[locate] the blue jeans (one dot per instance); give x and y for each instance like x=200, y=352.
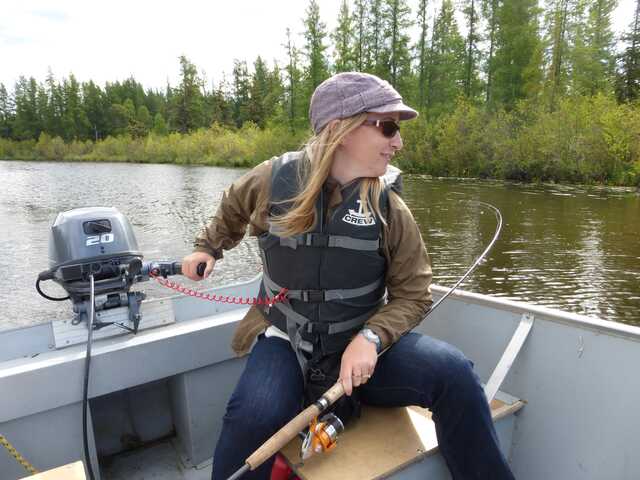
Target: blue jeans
x=416, y=370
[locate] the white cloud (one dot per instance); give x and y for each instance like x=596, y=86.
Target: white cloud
x=108, y=41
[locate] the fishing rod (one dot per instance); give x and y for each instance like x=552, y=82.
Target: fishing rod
x=304, y=418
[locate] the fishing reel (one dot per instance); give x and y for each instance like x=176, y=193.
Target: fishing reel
x=322, y=435
x=99, y=242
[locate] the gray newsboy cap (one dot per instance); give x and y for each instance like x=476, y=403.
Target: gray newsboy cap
x=346, y=94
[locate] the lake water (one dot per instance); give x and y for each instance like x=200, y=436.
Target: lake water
x=572, y=248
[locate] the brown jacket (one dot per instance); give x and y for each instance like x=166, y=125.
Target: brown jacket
x=408, y=276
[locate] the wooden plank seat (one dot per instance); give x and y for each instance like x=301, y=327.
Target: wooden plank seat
x=381, y=442
x=72, y=471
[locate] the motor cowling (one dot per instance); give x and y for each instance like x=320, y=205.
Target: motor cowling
x=99, y=243
x=96, y=241
x=91, y=234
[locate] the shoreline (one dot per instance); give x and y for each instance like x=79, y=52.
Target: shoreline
x=242, y=165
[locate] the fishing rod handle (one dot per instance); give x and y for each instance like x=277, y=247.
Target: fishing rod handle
x=282, y=437
x=334, y=393
x=291, y=429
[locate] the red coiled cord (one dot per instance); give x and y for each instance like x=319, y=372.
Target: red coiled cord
x=280, y=297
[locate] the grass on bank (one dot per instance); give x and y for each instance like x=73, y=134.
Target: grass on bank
x=589, y=140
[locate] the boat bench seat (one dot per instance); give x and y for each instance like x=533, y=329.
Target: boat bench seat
x=72, y=471
x=381, y=442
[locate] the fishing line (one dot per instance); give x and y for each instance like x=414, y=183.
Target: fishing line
x=479, y=259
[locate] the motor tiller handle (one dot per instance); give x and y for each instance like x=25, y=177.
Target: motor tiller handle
x=291, y=429
x=199, y=269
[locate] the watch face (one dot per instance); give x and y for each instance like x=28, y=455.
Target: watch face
x=369, y=335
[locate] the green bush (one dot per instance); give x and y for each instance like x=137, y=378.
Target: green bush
x=585, y=140
x=417, y=155
x=50, y=148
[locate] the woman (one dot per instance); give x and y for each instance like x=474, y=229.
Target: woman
x=335, y=233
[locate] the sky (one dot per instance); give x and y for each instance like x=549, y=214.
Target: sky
x=109, y=41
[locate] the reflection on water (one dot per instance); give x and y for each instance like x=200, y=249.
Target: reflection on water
x=570, y=248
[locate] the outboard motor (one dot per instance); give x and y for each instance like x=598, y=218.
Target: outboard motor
x=94, y=256
x=99, y=241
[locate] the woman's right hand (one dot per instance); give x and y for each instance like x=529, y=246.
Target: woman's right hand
x=190, y=265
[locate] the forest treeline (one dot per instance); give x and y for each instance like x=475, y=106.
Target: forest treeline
x=525, y=90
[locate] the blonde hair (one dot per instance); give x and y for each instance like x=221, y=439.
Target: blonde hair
x=313, y=171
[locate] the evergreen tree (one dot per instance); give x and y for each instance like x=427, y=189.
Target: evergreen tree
x=159, y=125
x=130, y=89
x=187, y=101
x=121, y=116
x=315, y=33
x=293, y=90
x=516, y=63
x=74, y=120
x=258, y=92
x=216, y=106
x=595, y=70
x=6, y=112
x=241, y=85
x=446, y=61
x=142, y=124
x=155, y=102
x=431, y=63
x=27, y=124
x=112, y=93
x=52, y=114
x=42, y=101
x=471, y=79
x=360, y=48
x=343, y=39
x=395, y=53
x=628, y=79
x=556, y=50
x=490, y=10
x=421, y=55
x=375, y=39
x=275, y=100
x=95, y=108
x=223, y=103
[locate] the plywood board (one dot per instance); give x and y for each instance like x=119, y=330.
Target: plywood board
x=155, y=313
x=72, y=471
x=381, y=442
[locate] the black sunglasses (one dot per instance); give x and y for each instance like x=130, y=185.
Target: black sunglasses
x=388, y=127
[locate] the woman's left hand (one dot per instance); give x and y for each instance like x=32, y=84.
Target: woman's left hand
x=358, y=362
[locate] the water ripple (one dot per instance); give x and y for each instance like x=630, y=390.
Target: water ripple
x=572, y=248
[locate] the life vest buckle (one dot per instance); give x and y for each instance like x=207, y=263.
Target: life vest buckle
x=317, y=327
x=317, y=240
x=312, y=296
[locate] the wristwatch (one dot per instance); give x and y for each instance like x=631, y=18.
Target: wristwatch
x=372, y=337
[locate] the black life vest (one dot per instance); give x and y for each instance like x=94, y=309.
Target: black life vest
x=335, y=273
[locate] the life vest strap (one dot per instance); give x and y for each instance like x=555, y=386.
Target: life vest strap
x=323, y=240
x=319, y=296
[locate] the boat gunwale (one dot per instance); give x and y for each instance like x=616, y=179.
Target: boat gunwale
x=629, y=332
